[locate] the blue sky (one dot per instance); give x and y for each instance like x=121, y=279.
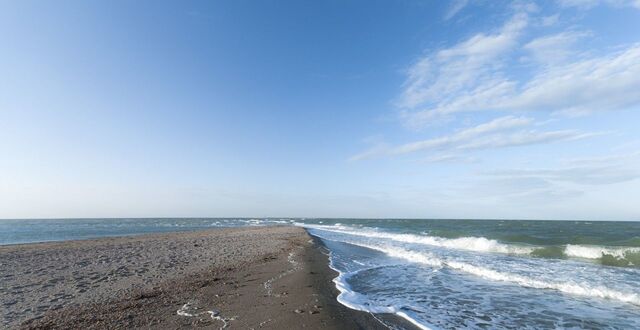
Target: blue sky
x=419, y=109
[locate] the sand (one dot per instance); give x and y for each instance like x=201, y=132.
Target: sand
x=242, y=278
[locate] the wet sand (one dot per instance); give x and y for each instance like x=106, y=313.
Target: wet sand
x=241, y=278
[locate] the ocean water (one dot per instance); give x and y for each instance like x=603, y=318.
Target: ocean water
x=18, y=231
x=444, y=274
x=486, y=274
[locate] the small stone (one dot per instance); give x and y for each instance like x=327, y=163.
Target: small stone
x=314, y=312
x=299, y=311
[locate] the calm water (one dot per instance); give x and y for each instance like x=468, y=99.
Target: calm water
x=29, y=231
x=445, y=273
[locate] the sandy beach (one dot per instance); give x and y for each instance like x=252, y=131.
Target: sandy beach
x=248, y=278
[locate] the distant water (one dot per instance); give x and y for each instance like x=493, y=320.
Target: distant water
x=445, y=274
x=47, y=230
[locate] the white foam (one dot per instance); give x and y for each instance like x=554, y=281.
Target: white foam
x=596, y=252
x=191, y=311
x=582, y=289
x=476, y=244
x=357, y=301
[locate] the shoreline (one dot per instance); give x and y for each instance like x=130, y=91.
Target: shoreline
x=257, y=277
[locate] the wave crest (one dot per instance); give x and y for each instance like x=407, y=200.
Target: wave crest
x=477, y=244
x=581, y=289
x=610, y=256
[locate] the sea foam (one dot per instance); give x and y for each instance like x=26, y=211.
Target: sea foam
x=596, y=252
x=583, y=289
x=354, y=300
x=476, y=244
x=615, y=256
x=569, y=287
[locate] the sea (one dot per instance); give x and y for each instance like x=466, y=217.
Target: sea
x=443, y=274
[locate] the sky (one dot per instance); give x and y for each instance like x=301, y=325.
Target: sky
x=371, y=109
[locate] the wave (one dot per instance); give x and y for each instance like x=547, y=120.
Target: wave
x=477, y=244
x=354, y=300
x=610, y=256
x=581, y=289
x=596, y=252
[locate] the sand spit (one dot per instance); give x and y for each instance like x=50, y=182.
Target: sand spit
x=241, y=278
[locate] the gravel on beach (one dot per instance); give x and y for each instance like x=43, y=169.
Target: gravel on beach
x=237, y=278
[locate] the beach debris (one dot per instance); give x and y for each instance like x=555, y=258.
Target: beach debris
x=263, y=323
x=189, y=310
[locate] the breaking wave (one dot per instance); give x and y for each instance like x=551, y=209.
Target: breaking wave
x=610, y=256
x=570, y=287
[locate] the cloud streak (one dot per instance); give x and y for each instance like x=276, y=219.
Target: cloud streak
x=582, y=175
x=455, y=8
x=472, y=76
x=588, y=4
x=503, y=132
x=551, y=185
x=451, y=70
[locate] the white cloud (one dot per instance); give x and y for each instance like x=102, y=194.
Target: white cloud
x=608, y=160
x=585, y=4
x=449, y=158
x=550, y=20
x=608, y=82
x=502, y=132
x=588, y=4
x=555, y=48
x=581, y=175
x=455, y=8
x=462, y=66
x=551, y=185
x=477, y=82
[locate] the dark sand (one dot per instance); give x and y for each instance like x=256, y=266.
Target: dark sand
x=247, y=278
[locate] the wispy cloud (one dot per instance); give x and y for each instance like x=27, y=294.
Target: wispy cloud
x=455, y=8
x=449, y=158
x=582, y=175
x=470, y=77
x=555, y=48
x=524, y=191
x=450, y=71
x=502, y=132
x=549, y=20
x=588, y=4
x=608, y=82
x=551, y=185
x=608, y=160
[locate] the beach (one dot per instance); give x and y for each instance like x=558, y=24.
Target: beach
x=239, y=278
